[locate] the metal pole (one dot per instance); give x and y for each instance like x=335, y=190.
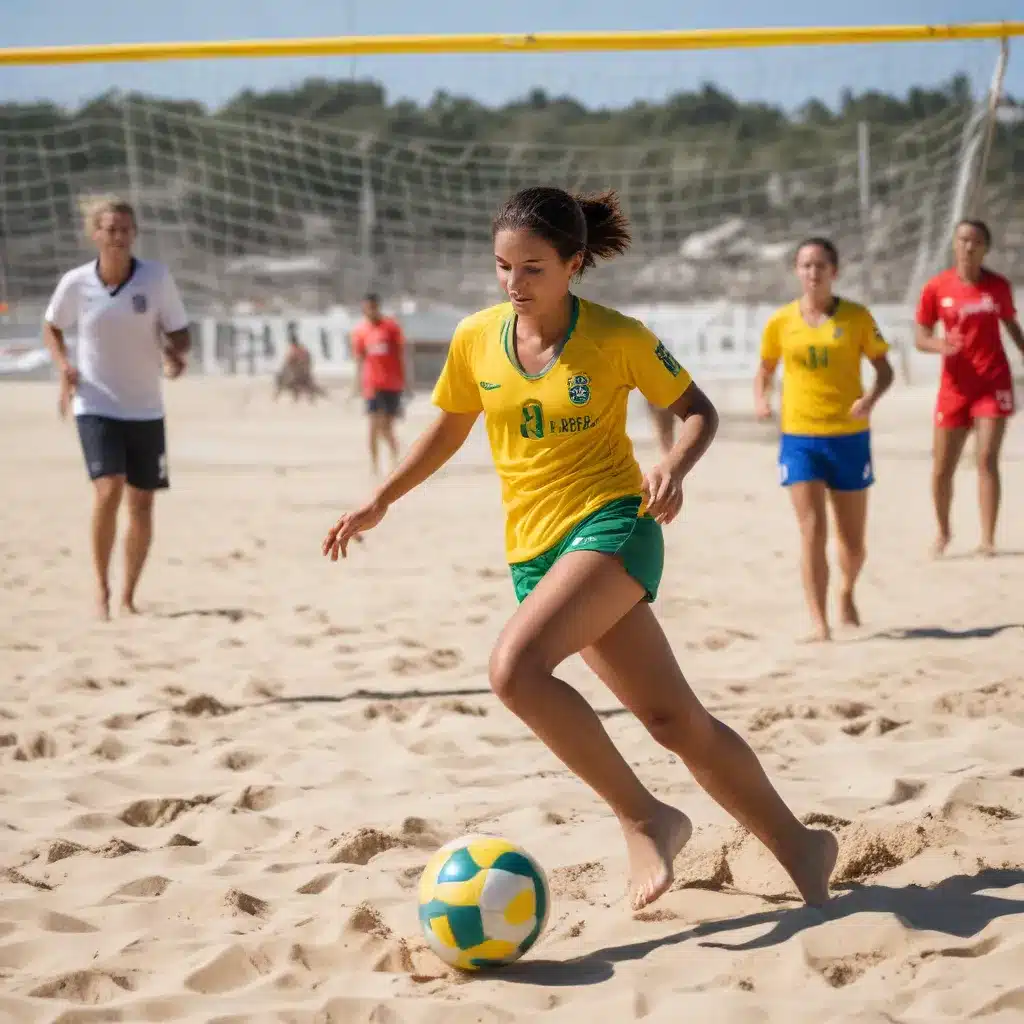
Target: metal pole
x=994, y=98
x=5, y=293
x=129, y=155
x=864, y=178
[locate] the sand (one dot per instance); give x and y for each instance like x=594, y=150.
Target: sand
x=218, y=811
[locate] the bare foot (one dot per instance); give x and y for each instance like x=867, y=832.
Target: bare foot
x=652, y=847
x=940, y=544
x=103, y=604
x=128, y=606
x=819, y=635
x=986, y=549
x=813, y=869
x=848, y=614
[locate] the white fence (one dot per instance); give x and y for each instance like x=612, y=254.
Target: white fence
x=715, y=341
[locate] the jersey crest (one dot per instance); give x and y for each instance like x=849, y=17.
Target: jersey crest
x=667, y=359
x=139, y=303
x=579, y=389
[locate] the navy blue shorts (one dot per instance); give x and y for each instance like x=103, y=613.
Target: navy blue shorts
x=387, y=402
x=842, y=463
x=134, y=449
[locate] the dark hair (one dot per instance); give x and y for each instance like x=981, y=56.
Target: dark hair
x=979, y=225
x=592, y=224
x=372, y=297
x=822, y=243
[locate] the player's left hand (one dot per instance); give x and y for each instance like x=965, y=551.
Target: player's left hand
x=174, y=365
x=663, y=493
x=861, y=409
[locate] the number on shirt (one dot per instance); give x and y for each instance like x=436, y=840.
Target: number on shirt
x=817, y=357
x=533, y=420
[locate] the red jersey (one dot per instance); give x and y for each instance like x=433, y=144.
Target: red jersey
x=970, y=313
x=380, y=346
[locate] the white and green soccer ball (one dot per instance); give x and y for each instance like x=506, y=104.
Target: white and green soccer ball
x=483, y=902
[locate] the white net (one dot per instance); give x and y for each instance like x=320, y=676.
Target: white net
x=303, y=212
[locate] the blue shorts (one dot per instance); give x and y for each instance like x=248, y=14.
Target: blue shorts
x=842, y=463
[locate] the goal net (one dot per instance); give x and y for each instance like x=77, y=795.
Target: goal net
x=306, y=198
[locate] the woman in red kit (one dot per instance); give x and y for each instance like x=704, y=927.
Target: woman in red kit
x=379, y=348
x=976, y=386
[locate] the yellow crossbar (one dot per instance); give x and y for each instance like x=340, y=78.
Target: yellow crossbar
x=539, y=42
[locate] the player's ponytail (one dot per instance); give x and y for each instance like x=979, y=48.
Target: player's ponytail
x=592, y=224
x=607, y=227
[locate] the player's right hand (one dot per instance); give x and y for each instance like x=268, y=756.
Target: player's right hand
x=762, y=409
x=349, y=526
x=68, y=386
x=950, y=344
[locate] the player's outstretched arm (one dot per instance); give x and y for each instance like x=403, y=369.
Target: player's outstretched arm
x=431, y=450
x=54, y=338
x=884, y=376
x=1013, y=329
x=764, y=381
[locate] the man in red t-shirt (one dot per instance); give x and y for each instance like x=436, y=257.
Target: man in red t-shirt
x=379, y=347
x=976, y=386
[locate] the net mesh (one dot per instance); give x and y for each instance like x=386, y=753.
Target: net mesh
x=262, y=208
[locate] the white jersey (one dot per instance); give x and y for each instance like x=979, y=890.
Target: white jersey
x=119, y=352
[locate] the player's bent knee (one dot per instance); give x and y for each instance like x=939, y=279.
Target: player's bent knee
x=510, y=669
x=108, y=490
x=855, y=552
x=814, y=531
x=140, y=503
x=685, y=727
x=988, y=462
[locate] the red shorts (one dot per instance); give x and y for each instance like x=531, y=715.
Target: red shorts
x=954, y=409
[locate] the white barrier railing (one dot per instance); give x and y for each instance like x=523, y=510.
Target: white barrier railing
x=715, y=341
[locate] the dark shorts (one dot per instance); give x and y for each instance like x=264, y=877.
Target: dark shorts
x=614, y=529
x=842, y=462
x=387, y=402
x=134, y=449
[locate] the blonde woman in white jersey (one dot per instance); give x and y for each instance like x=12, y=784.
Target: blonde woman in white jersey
x=131, y=329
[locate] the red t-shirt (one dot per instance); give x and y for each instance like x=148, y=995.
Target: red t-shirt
x=970, y=312
x=380, y=345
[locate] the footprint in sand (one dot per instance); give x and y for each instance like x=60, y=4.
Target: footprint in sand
x=232, y=968
x=258, y=798
x=40, y=745
x=362, y=846
x=440, y=659
x=149, y=887
x=87, y=987
x=240, y=760
x=160, y=810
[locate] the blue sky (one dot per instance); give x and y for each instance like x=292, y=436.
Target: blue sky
x=786, y=76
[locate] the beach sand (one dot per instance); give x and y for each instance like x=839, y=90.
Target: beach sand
x=218, y=810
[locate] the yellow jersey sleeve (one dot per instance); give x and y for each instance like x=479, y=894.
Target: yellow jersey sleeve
x=873, y=343
x=649, y=367
x=771, y=344
x=456, y=389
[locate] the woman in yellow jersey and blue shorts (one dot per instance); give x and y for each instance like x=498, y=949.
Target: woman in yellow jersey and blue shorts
x=551, y=374
x=826, y=439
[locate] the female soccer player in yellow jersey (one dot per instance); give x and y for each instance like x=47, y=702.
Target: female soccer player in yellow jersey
x=551, y=374
x=826, y=440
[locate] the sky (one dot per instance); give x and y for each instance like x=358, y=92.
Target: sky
x=786, y=76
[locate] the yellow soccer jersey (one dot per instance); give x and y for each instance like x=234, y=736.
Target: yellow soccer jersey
x=559, y=438
x=821, y=366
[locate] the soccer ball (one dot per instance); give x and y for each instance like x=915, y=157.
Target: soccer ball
x=483, y=902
